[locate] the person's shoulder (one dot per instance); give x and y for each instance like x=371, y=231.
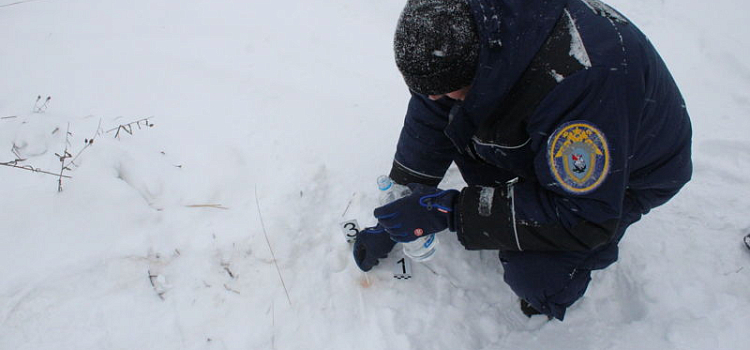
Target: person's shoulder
x=607, y=38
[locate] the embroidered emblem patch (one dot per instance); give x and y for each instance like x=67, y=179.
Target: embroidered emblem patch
x=578, y=156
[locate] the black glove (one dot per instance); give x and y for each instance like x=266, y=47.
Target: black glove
x=371, y=244
x=425, y=211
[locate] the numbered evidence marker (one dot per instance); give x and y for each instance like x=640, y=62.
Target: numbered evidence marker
x=350, y=229
x=402, y=269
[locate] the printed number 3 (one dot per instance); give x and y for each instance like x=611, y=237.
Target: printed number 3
x=351, y=227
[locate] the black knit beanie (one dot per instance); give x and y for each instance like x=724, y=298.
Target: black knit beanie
x=436, y=46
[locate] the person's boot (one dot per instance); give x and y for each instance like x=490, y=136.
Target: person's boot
x=529, y=310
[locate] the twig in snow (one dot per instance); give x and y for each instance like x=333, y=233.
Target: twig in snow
x=349, y=204
x=17, y=3
x=36, y=103
x=43, y=107
x=14, y=149
x=9, y=117
x=230, y=289
x=733, y=272
x=88, y=143
x=63, y=157
x=128, y=128
x=257, y=204
x=151, y=278
x=73, y=161
x=13, y=164
x=215, y=206
x=226, y=268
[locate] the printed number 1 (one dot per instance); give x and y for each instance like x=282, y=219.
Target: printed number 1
x=403, y=265
x=402, y=272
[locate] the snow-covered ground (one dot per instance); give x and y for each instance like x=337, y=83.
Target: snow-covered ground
x=281, y=115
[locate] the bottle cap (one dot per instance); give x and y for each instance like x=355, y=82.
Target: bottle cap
x=384, y=182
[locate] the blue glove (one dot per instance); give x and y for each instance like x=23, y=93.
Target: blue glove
x=426, y=211
x=371, y=244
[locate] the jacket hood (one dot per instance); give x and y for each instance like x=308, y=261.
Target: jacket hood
x=511, y=32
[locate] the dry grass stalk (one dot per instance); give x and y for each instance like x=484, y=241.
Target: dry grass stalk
x=128, y=128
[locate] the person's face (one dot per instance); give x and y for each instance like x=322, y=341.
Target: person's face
x=459, y=95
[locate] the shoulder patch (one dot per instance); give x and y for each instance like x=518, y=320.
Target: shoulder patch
x=578, y=156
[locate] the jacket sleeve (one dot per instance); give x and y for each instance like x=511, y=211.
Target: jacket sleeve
x=552, y=210
x=423, y=153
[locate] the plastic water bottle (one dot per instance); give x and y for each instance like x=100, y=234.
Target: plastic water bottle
x=421, y=249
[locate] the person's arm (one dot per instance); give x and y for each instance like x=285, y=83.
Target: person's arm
x=423, y=153
x=574, y=202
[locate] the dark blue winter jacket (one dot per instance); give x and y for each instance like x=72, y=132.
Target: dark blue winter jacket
x=573, y=128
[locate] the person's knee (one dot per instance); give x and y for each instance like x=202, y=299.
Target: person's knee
x=550, y=285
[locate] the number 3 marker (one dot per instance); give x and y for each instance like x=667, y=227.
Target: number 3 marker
x=350, y=229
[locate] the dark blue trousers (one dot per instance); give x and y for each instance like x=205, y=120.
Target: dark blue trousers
x=553, y=281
